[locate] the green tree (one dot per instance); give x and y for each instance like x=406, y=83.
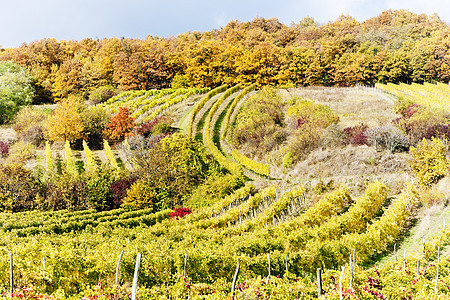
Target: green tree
x=16, y=89
x=172, y=167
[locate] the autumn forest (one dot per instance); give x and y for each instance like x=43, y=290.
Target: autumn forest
x=396, y=46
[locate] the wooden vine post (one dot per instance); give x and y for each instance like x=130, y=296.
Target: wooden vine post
x=135, y=278
x=319, y=282
x=437, y=269
x=340, y=283
x=351, y=270
x=286, y=263
x=395, y=251
x=236, y=274
x=118, y=267
x=185, y=265
x=11, y=277
x=418, y=267
x=404, y=259
x=268, y=269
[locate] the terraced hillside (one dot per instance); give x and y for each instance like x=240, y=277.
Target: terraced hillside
x=340, y=207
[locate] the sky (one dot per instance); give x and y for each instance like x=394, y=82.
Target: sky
x=24, y=21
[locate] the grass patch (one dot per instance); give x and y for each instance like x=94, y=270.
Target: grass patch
x=200, y=125
x=58, y=163
x=218, y=126
x=120, y=163
x=79, y=163
x=184, y=121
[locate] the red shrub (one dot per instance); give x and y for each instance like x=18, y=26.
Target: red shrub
x=357, y=135
x=180, y=212
x=411, y=110
x=4, y=149
x=437, y=131
x=120, y=126
x=146, y=129
x=301, y=121
x=119, y=190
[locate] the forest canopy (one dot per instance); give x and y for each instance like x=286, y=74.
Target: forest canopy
x=396, y=46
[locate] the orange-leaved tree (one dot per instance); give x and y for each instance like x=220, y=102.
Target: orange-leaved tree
x=66, y=124
x=120, y=126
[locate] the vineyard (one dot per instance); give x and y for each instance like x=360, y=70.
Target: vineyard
x=255, y=161
x=81, y=249
x=265, y=239
x=428, y=94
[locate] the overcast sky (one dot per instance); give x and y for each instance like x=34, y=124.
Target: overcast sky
x=29, y=20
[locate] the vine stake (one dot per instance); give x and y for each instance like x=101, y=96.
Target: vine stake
x=135, y=278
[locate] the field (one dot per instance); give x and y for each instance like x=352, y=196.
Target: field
x=336, y=203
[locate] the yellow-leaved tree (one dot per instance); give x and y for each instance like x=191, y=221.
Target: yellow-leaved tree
x=428, y=161
x=66, y=124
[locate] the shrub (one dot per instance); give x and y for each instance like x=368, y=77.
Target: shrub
x=334, y=136
x=64, y=192
x=119, y=190
x=20, y=152
x=428, y=161
x=288, y=160
x=101, y=94
x=260, y=123
x=357, y=135
x=95, y=119
x=34, y=135
x=149, y=128
x=301, y=143
x=180, y=212
x=410, y=110
x=418, y=125
x=4, y=149
x=401, y=105
x=174, y=166
x=18, y=188
x=98, y=190
x=140, y=195
x=214, y=188
x=304, y=112
x=30, y=125
x=162, y=128
x=390, y=138
x=120, y=126
x=322, y=187
x=438, y=131
x=29, y=117
x=180, y=81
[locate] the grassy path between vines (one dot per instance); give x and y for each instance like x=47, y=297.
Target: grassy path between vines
x=429, y=223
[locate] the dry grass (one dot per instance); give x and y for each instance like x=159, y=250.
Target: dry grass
x=7, y=133
x=352, y=166
x=353, y=105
